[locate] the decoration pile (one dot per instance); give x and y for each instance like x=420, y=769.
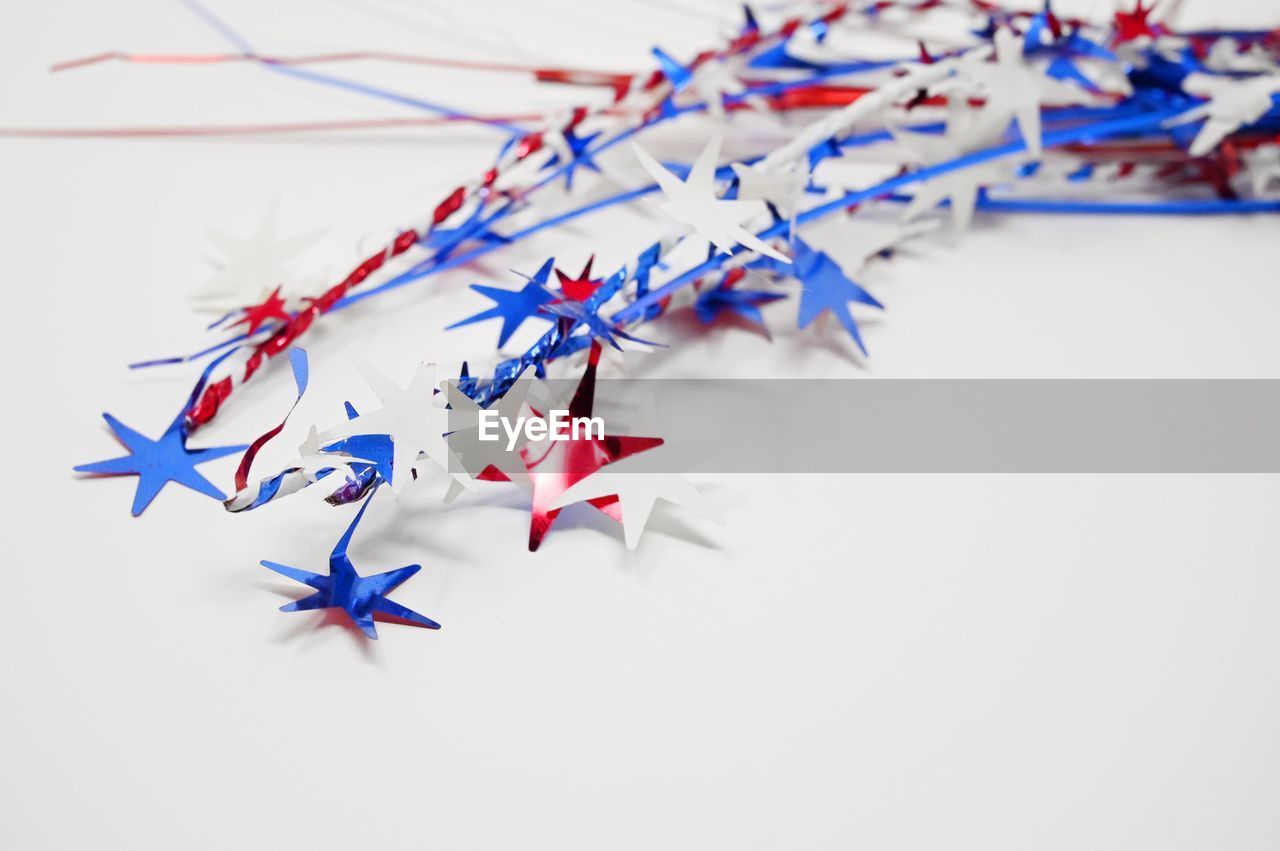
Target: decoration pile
x=1014, y=112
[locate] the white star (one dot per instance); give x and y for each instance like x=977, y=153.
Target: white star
x=1263, y=165
x=475, y=454
x=411, y=419
x=959, y=187
x=1232, y=104
x=637, y=491
x=693, y=202
x=253, y=266
x=714, y=80
x=1225, y=55
x=1014, y=90
x=780, y=188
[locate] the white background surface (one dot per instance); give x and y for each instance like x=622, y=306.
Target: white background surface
x=887, y=662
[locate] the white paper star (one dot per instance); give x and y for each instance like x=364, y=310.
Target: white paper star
x=1014, y=90
x=959, y=187
x=1232, y=104
x=476, y=454
x=781, y=188
x=637, y=492
x=411, y=419
x=693, y=202
x=253, y=266
x=714, y=80
x=1263, y=164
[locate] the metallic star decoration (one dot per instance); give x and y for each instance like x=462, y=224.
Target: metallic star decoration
x=571, y=152
x=158, y=462
x=255, y=316
x=410, y=418
x=694, y=202
x=1015, y=89
x=959, y=188
x=480, y=456
x=637, y=492
x=582, y=287
x=1263, y=168
x=555, y=466
x=361, y=597
x=725, y=298
x=782, y=189
x=252, y=265
x=825, y=287
x=514, y=307
x=1232, y=104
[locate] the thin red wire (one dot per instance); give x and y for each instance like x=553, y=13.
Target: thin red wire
x=576, y=75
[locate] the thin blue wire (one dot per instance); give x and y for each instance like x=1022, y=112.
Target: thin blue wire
x=223, y=29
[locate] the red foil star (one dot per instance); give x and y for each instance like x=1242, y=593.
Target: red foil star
x=1135, y=24
x=259, y=314
x=582, y=287
x=555, y=466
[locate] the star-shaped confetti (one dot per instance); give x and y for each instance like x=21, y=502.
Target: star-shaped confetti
x=637, y=491
x=694, y=202
x=782, y=189
x=1232, y=105
x=726, y=298
x=1130, y=26
x=481, y=456
x=961, y=187
x=514, y=307
x=571, y=151
x=1263, y=165
x=475, y=228
x=677, y=74
x=555, y=466
x=361, y=597
x=825, y=287
x=1015, y=89
x=410, y=418
x=582, y=287
x=587, y=315
x=258, y=315
x=158, y=462
x=252, y=265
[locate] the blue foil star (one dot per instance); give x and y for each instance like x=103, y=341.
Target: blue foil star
x=679, y=75
x=158, y=462
x=579, y=156
x=448, y=240
x=588, y=316
x=745, y=303
x=825, y=287
x=359, y=596
x=513, y=307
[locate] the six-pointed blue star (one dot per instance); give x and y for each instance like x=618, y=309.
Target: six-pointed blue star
x=825, y=287
x=359, y=596
x=745, y=303
x=513, y=307
x=679, y=75
x=579, y=156
x=158, y=462
x=587, y=314
x=448, y=240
